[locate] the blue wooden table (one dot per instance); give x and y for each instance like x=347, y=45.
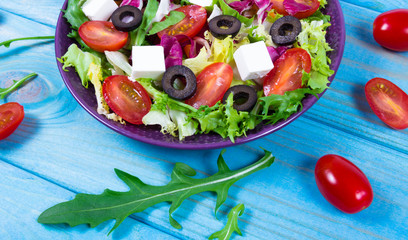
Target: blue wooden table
x=60, y=150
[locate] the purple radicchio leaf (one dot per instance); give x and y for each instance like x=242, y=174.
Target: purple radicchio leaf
x=135, y=3
x=275, y=53
x=172, y=51
x=241, y=6
x=293, y=7
x=264, y=7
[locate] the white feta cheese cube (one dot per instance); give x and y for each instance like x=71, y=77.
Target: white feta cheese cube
x=253, y=61
x=148, y=62
x=202, y=3
x=99, y=10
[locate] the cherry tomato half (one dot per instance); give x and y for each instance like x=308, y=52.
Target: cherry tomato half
x=311, y=5
x=388, y=102
x=343, y=184
x=390, y=29
x=196, y=17
x=212, y=83
x=126, y=98
x=102, y=36
x=288, y=71
x=11, y=115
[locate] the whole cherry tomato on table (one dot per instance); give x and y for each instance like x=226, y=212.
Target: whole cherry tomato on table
x=102, y=36
x=11, y=115
x=343, y=184
x=126, y=98
x=391, y=29
x=388, y=102
x=195, y=19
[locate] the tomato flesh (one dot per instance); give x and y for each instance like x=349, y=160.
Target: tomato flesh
x=102, y=36
x=388, y=102
x=193, y=22
x=343, y=184
x=126, y=98
x=310, y=5
x=212, y=83
x=288, y=71
x=390, y=29
x=11, y=115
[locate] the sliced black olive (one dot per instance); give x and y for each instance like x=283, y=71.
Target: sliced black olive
x=285, y=30
x=179, y=82
x=224, y=25
x=127, y=18
x=244, y=97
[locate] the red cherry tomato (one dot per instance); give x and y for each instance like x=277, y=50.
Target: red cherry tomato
x=102, y=36
x=391, y=29
x=343, y=184
x=288, y=71
x=126, y=98
x=212, y=83
x=313, y=5
x=11, y=115
x=196, y=17
x=388, y=102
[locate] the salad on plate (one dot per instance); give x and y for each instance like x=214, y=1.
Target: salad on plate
x=195, y=67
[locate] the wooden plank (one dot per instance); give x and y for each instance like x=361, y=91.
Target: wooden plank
x=25, y=196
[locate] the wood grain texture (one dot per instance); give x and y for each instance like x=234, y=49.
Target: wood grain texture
x=60, y=150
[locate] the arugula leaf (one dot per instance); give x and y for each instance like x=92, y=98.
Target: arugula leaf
x=137, y=36
x=174, y=18
x=74, y=14
x=232, y=224
x=227, y=10
x=15, y=85
x=95, y=209
x=8, y=42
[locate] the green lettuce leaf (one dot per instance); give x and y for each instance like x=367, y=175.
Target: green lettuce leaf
x=174, y=18
x=232, y=224
x=81, y=60
x=137, y=36
x=312, y=38
x=74, y=14
x=227, y=10
x=95, y=209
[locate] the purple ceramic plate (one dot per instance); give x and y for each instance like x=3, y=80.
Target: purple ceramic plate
x=151, y=134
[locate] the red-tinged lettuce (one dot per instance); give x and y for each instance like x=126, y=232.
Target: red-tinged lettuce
x=275, y=53
x=134, y=3
x=293, y=7
x=241, y=6
x=264, y=7
x=173, y=52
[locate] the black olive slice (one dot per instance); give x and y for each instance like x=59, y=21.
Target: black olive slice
x=126, y=18
x=285, y=30
x=244, y=97
x=179, y=82
x=224, y=25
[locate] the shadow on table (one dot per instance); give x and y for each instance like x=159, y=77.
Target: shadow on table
x=20, y=49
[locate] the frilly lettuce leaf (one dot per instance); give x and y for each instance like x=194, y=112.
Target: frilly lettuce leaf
x=312, y=38
x=199, y=62
x=74, y=14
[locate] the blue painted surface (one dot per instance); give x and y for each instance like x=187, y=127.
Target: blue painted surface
x=60, y=150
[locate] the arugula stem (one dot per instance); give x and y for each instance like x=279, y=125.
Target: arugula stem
x=8, y=42
x=16, y=84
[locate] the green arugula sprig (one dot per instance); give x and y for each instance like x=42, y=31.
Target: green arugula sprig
x=15, y=85
x=95, y=209
x=8, y=42
x=232, y=224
